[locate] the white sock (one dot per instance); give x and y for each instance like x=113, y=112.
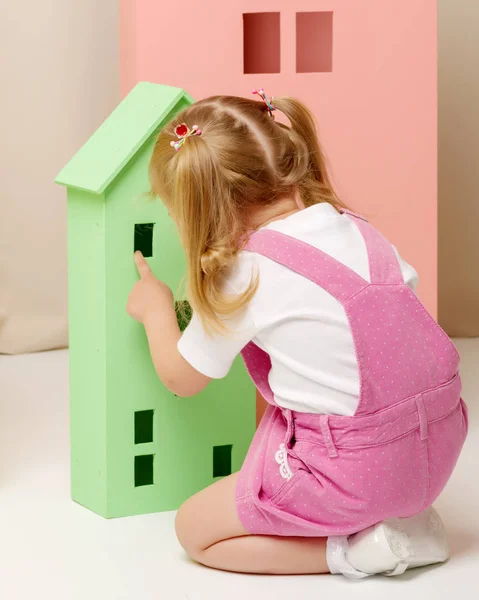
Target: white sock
x=390, y=547
x=336, y=557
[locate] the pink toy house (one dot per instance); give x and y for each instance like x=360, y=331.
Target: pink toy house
x=367, y=69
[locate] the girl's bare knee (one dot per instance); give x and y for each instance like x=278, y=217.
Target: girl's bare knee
x=187, y=531
x=207, y=518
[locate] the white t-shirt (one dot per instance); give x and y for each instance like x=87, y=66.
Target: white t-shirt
x=300, y=325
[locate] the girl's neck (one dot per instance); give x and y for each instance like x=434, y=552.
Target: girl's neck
x=275, y=212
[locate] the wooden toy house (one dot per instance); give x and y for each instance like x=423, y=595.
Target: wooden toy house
x=366, y=68
x=135, y=447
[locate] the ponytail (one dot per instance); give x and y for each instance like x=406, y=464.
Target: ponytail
x=312, y=179
x=209, y=230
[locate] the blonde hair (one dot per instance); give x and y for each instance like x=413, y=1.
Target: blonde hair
x=243, y=160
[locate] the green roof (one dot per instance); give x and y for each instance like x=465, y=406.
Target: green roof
x=116, y=141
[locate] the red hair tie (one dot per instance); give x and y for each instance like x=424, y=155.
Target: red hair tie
x=182, y=132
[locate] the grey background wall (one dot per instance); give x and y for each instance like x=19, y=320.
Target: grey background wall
x=458, y=166
x=59, y=73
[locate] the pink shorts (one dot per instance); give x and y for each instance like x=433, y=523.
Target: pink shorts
x=310, y=475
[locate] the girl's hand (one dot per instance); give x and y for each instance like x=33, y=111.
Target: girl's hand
x=149, y=295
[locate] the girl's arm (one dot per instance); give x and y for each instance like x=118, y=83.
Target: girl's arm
x=151, y=302
x=261, y=406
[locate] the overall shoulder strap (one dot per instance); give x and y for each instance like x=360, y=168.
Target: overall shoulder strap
x=314, y=264
x=383, y=263
x=258, y=365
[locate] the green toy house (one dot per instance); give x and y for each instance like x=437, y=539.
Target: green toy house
x=135, y=447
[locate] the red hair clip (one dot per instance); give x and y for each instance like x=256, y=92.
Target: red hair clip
x=182, y=132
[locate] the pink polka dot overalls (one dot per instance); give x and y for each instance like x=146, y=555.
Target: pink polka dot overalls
x=318, y=475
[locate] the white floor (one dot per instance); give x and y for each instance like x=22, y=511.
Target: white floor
x=54, y=549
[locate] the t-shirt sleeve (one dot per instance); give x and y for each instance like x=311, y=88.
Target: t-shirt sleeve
x=212, y=354
x=410, y=275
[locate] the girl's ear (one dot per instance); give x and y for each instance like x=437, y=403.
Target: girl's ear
x=298, y=200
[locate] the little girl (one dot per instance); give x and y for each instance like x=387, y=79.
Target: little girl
x=365, y=421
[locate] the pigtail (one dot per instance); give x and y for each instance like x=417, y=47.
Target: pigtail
x=311, y=175
x=209, y=229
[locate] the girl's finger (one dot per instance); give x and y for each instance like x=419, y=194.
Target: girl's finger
x=141, y=264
